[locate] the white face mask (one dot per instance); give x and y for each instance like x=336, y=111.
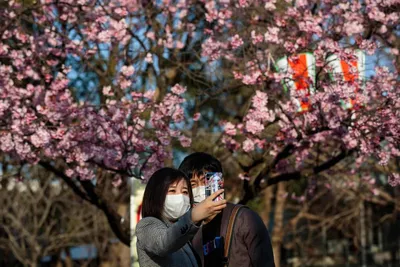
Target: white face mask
x=175, y=206
x=199, y=193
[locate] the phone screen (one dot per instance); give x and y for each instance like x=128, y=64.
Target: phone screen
x=214, y=182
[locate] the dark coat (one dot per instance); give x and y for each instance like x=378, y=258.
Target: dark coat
x=251, y=244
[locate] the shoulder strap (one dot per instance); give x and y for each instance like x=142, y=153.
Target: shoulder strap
x=229, y=230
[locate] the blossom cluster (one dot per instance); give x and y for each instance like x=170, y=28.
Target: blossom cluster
x=358, y=115
x=41, y=116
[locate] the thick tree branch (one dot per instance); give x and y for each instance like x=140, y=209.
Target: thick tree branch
x=66, y=179
x=252, y=191
x=118, y=224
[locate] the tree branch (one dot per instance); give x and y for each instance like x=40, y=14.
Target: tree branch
x=252, y=191
x=66, y=179
x=118, y=224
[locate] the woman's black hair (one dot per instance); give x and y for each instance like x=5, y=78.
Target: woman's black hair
x=198, y=163
x=157, y=189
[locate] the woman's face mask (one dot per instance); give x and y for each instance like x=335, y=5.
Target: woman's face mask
x=175, y=206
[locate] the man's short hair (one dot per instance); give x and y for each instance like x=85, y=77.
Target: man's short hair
x=198, y=163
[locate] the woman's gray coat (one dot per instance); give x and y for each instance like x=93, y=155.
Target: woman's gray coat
x=165, y=244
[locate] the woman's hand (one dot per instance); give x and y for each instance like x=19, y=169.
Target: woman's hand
x=208, y=207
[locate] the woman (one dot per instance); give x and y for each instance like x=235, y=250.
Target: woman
x=169, y=223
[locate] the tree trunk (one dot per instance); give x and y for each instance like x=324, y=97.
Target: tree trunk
x=277, y=233
x=68, y=260
x=363, y=234
x=267, y=205
x=169, y=161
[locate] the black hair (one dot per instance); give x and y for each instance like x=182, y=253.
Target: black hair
x=198, y=163
x=157, y=189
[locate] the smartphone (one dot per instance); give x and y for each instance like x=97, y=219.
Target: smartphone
x=214, y=182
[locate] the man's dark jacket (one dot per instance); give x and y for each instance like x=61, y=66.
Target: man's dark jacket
x=251, y=244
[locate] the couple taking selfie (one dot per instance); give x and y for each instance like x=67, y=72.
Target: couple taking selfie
x=183, y=227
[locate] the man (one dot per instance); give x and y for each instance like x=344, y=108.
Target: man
x=250, y=242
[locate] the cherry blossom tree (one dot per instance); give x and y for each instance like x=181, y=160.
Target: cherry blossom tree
x=252, y=35
x=122, y=125
x=298, y=133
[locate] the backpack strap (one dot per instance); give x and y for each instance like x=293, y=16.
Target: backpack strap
x=229, y=232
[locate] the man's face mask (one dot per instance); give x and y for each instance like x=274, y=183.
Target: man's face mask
x=198, y=187
x=175, y=206
x=199, y=194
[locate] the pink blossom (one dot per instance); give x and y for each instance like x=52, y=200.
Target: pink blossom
x=108, y=91
x=351, y=142
x=151, y=35
x=243, y=177
x=272, y=35
x=70, y=173
x=260, y=100
x=178, y=114
x=310, y=24
x=384, y=158
x=377, y=15
x=256, y=38
x=149, y=94
x=124, y=83
x=133, y=160
x=353, y=27
x=394, y=179
x=243, y=3
x=375, y=192
x=149, y=58
x=254, y=127
x=196, y=116
x=236, y=41
x=252, y=78
x=229, y=128
x=213, y=49
x=105, y=36
x=6, y=142
x=40, y=138
x=270, y=5
x=178, y=89
x=4, y=105
x=185, y=141
x=179, y=45
x=127, y=70
x=328, y=186
x=248, y=145
x=383, y=29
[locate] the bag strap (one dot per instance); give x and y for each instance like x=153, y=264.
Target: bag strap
x=229, y=232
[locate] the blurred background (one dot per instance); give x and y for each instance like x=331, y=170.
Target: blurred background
x=43, y=223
